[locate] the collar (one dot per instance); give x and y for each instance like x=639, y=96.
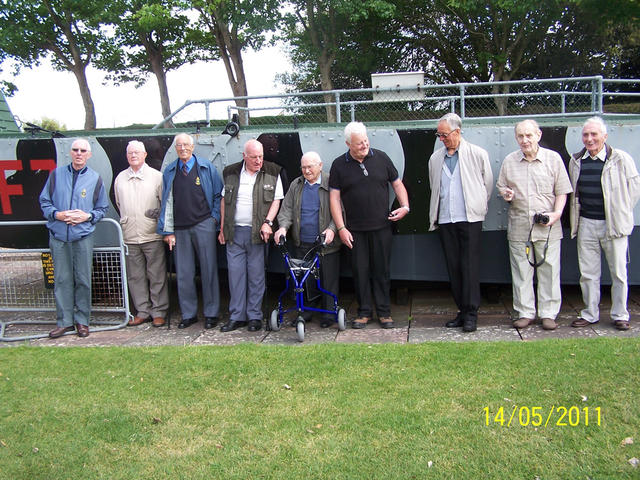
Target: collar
x=190, y=163
x=77, y=172
x=244, y=171
x=318, y=180
x=349, y=158
x=601, y=155
x=139, y=174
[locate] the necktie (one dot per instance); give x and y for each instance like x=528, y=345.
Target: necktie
x=185, y=170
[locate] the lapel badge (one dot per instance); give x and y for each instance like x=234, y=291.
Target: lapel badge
x=198, y=181
x=83, y=194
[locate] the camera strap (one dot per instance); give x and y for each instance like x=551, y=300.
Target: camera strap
x=529, y=247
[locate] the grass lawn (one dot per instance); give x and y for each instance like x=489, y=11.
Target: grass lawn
x=322, y=411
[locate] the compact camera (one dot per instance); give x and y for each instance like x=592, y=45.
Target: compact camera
x=540, y=218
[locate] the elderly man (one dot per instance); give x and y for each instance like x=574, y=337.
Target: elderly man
x=535, y=183
x=360, y=181
x=306, y=214
x=189, y=215
x=138, y=194
x=73, y=200
x=606, y=188
x=461, y=183
x=252, y=194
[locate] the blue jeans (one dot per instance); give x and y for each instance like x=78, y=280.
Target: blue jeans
x=72, y=262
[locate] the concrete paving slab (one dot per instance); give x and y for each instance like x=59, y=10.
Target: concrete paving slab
x=374, y=335
x=313, y=335
x=605, y=328
x=564, y=330
x=150, y=336
x=443, y=334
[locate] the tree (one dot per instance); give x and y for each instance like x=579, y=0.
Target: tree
x=70, y=31
x=50, y=124
x=327, y=39
x=151, y=36
x=233, y=26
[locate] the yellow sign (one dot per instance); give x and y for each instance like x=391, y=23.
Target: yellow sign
x=47, y=270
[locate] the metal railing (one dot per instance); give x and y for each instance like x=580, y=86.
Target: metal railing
x=26, y=285
x=563, y=97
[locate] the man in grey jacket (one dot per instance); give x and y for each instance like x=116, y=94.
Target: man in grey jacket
x=305, y=213
x=461, y=182
x=606, y=187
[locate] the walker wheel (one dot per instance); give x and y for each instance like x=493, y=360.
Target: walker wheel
x=342, y=319
x=273, y=321
x=300, y=329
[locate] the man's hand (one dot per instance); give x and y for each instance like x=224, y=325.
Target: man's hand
x=170, y=240
x=221, y=237
x=265, y=232
x=328, y=236
x=281, y=232
x=73, y=217
x=346, y=237
x=507, y=194
x=553, y=217
x=398, y=214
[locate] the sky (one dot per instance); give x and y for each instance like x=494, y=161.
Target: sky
x=44, y=92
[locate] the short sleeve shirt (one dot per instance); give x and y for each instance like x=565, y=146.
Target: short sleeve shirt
x=535, y=185
x=364, y=189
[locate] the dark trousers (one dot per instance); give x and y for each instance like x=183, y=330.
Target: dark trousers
x=370, y=261
x=329, y=278
x=461, y=245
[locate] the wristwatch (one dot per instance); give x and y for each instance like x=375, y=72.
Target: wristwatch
x=268, y=222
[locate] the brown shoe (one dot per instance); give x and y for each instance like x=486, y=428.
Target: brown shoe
x=158, y=322
x=83, y=330
x=386, y=322
x=360, y=322
x=138, y=321
x=622, y=324
x=549, y=324
x=58, y=332
x=581, y=322
x=522, y=322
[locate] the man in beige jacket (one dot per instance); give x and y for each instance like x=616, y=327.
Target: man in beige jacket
x=606, y=187
x=138, y=192
x=461, y=181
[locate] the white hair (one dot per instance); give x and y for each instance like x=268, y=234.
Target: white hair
x=453, y=120
x=357, y=128
x=175, y=139
x=82, y=140
x=528, y=121
x=313, y=157
x=136, y=143
x=599, y=121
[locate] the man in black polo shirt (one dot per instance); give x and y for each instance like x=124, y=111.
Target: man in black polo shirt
x=360, y=180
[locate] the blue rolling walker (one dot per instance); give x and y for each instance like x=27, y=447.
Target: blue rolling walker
x=300, y=269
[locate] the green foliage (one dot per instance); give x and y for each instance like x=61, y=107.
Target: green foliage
x=50, y=124
x=323, y=412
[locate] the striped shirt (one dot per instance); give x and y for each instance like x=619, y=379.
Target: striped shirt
x=590, y=188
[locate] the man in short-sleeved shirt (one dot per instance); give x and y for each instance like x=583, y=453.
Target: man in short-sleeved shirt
x=534, y=180
x=359, y=180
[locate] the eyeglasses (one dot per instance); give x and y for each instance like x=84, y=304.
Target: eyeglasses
x=81, y=150
x=254, y=157
x=443, y=135
x=364, y=169
x=308, y=167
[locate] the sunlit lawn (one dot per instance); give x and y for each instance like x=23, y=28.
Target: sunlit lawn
x=327, y=411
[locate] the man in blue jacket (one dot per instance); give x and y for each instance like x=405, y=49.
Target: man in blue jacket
x=73, y=200
x=189, y=216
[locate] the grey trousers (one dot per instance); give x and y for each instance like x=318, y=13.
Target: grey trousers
x=147, y=278
x=72, y=262
x=592, y=240
x=200, y=241
x=246, y=276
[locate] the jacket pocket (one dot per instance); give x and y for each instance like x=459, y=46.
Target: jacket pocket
x=268, y=192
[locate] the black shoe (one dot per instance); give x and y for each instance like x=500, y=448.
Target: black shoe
x=187, y=322
x=456, y=322
x=210, y=322
x=255, y=325
x=232, y=325
x=469, y=325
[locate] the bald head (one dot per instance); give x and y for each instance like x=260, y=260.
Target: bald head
x=253, y=156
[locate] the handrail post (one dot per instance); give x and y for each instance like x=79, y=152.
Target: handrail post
x=462, y=106
x=338, y=116
x=600, y=94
